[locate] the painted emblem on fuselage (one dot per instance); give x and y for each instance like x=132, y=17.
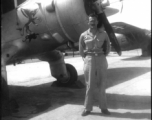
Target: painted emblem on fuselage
x=30, y=14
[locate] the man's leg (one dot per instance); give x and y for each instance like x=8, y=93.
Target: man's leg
x=102, y=77
x=89, y=74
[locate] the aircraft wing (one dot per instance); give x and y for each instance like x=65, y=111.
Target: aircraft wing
x=124, y=28
x=136, y=37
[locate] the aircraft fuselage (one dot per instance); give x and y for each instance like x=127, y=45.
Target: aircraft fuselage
x=40, y=26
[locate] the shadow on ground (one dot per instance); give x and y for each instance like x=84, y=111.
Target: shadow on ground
x=119, y=75
x=37, y=100
x=126, y=115
x=136, y=58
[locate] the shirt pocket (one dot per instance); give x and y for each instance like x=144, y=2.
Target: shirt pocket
x=99, y=43
x=89, y=43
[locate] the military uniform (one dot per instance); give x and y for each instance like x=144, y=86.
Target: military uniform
x=95, y=66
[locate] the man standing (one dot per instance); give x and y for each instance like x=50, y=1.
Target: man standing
x=92, y=49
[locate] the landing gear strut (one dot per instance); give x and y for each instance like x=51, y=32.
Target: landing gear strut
x=65, y=74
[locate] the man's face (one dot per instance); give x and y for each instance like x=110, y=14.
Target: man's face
x=93, y=22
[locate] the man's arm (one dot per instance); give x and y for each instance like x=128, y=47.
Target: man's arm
x=107, y=45
x=81, y=46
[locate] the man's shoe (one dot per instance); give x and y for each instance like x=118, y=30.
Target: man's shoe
x=105, y=111
x=85, y=113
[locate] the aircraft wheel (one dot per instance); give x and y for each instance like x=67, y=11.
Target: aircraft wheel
x=71, y=79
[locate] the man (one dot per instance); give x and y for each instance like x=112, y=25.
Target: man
x=95, y=64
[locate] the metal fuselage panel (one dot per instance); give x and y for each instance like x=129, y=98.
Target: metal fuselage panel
x=72, y=17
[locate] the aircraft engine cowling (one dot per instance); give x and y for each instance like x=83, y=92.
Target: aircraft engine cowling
x=72, y=17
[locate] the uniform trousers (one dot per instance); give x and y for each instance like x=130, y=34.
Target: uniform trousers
x=95, y=73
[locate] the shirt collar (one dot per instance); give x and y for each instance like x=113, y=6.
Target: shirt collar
x=88, y=32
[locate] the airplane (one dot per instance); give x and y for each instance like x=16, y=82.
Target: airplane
x=36, y=28
x=131, y=37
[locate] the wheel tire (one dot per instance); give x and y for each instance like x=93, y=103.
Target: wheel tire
x=72, y=77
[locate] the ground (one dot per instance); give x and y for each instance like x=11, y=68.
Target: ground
x=39, y=98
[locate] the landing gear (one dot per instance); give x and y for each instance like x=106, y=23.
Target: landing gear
x=146, y=52
x=65, y=74
x=70, y=79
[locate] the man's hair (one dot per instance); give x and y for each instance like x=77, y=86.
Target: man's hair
x=93, y=15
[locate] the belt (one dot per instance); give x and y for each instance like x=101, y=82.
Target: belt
x=94, y=54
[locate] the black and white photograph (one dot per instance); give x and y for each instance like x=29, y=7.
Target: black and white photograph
x=75, y=59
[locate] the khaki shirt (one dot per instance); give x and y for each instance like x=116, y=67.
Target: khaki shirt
x=93, y=44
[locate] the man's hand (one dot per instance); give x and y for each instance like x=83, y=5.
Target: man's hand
x=97, y=6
